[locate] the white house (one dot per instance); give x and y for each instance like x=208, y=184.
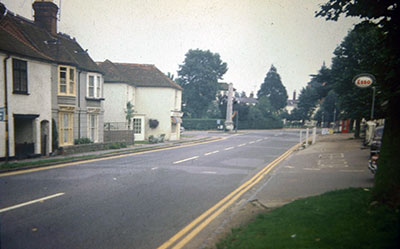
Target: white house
x=153, y=95
x=25, y=98
x=56, y=70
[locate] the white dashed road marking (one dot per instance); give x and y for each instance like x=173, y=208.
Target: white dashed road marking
x=187, y=159
x=229, y=148
x=30, y=202
x=210, y=153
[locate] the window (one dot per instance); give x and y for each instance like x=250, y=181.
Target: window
x=66, y=123
x=93, y=127
x=66, y=80
x=98, y=87
x=91, y=86
x=94, y=86
x=137, y=125
x=20, y=76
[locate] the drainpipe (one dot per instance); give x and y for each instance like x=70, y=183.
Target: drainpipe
x=6, y=107
x=79, y=104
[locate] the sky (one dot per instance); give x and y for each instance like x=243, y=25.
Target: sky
x=249, y=35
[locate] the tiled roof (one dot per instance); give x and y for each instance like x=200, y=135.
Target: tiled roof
x=141, y=75
x=61, y=49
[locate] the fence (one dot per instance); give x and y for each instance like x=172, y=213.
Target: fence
x=117, y=126
x=307, y=137
x=118, y=132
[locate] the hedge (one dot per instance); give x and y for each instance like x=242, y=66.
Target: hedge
x=261, y=124
x=200, y=123
x=211, y=124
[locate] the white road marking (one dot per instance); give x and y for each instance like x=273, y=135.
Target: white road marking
x=259, y=140
x=252, y=142
x=342, y=155
x=210, y=153
x=311, y=169
x=187, y=159
x=289, y=167
x=30, y=202
x=154, y=168
x=209, y=172
x=229, y=148
x=240, y=145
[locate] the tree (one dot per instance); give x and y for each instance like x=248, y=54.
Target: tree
x=273, y=89
x=386, y=16
x=198, y=76
x=308, y=99
x=129, y=113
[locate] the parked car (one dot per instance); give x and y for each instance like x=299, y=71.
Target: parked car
x=375, y=149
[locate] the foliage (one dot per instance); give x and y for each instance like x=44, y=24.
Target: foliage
x=83, y=140
x=54, y=135
x=153, y=123
x=198, y=76
x=359, y=52
x=115, y=146
x=214, y=110
x=386, y=14
x=129, y=113
x=201, y=124
x=308, y=99
x=337, y=219
x=322, y=82
x=273, y=89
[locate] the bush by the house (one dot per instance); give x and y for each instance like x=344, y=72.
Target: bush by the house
x=83, y=140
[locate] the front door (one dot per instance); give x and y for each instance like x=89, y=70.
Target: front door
x=138, y=128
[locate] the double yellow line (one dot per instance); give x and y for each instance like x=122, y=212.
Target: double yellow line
x=192, y=229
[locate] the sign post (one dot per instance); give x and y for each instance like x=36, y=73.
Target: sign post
x=365, y=80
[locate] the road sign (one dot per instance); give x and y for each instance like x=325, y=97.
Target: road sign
x=364, y=80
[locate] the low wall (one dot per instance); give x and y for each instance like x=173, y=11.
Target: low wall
x=125, y=136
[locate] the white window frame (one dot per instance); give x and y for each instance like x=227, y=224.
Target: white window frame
x=97, y=86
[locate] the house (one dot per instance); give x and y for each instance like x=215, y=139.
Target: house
x=154, y=96
x=75, y=92
x=249, y=101
x=25, y=97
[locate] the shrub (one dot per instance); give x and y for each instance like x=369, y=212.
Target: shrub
x=83, y=140
x=201, y=124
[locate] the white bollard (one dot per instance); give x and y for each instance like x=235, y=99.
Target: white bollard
x=314, y=135
x=301, y=137
x=307, y=133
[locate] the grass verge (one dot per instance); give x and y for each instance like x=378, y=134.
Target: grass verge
x=337, y=219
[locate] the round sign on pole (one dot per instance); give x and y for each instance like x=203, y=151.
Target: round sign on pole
x=364, y=80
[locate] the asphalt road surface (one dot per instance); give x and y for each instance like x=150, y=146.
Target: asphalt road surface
x=136, y=201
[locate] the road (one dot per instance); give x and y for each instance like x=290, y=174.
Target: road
x=135, y=201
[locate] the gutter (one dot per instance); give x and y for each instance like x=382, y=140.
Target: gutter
x=6, y=107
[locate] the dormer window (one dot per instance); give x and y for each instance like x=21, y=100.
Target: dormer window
x=66, y=80
x=94, y=86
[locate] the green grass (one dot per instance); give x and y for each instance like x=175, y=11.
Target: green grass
x=338, y=219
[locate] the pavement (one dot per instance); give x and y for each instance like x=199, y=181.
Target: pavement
x=335, y=161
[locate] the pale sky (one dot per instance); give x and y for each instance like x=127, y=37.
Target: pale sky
x=249, y=35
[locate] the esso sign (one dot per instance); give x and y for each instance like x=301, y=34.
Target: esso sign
x=364, y=80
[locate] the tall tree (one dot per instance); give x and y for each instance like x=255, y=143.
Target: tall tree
x=308, y=100
x=386, y=14
x=198, y=76
x=273, y=89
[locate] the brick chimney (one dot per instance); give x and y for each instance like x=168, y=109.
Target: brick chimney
x=46, y=15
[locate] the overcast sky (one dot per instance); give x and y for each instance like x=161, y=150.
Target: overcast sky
x=250, y=35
